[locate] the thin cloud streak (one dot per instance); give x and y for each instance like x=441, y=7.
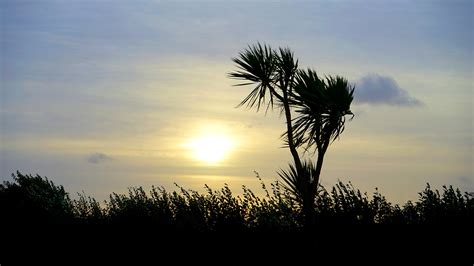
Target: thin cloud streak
x=96, y=158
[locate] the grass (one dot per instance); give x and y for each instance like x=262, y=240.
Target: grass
x=146, y=225
x=35, y=199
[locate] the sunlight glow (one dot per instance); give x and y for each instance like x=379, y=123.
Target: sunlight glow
x=211, y=148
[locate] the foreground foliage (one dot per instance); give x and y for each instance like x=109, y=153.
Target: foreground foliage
x=34, y=199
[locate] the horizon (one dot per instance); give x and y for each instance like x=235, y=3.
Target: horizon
x=101, y=97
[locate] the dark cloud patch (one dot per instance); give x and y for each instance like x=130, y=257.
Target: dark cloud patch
x=377, y=90
x=98, y=157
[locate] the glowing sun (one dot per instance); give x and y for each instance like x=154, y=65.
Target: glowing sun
x=211, y=148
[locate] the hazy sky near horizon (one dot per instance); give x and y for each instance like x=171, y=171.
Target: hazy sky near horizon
x=103, y=95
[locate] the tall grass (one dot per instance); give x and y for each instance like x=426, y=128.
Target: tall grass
x=35, y=199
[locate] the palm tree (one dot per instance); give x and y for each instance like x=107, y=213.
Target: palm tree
x=273, y=73
x=321, y=105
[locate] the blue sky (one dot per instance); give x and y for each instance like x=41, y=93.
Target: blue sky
x=102, y=95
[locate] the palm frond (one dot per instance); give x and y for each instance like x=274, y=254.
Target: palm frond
x=291, y=181
x=321, y=105
x=257, y=65
x=300, y=185
x=288, y=67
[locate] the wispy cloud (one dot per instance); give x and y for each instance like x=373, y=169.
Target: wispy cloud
x=377, y=90
x=98, y=157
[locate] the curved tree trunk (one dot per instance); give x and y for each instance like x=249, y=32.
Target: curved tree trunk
x=291, y=142
x=319, y=166
x=315, y=184
x=309, y=193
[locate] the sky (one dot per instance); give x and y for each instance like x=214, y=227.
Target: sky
x=103, y=95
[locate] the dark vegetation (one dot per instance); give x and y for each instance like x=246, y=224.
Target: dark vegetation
x=36, y=200
x=35, y=211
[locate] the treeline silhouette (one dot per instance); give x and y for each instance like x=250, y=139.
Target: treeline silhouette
x=32, y=199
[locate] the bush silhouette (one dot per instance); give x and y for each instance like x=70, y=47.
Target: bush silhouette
x=32, y=199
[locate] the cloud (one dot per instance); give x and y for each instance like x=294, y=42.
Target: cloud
x=98, y=157
x=378, y=90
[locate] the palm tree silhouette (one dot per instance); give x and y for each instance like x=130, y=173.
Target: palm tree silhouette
x=321, y=105
x=273, y=73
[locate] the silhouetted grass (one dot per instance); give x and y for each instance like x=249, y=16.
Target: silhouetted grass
x=156, y=223
x=34, y=199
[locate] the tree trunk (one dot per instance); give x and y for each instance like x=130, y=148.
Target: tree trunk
x=289, y=129
x=319, y=166
x=309, y=213
x=308, y=198
x=309, y=202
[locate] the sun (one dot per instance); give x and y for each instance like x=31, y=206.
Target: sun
x=211, y=148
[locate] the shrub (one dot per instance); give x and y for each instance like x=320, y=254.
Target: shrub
x=34, y=199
